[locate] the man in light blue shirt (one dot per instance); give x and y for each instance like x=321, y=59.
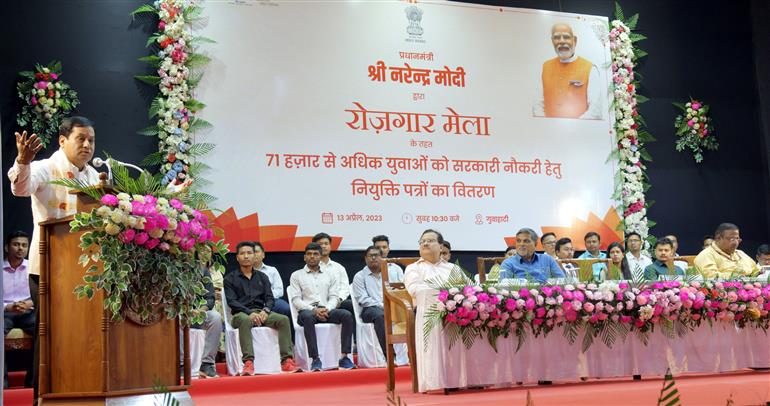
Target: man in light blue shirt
x=593, y=241
x=527, y=264
x=367, y=289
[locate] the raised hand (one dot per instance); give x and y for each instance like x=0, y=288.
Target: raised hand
x=27, y=147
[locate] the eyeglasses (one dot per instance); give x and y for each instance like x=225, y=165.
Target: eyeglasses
x=550, y=243
x=374, y=256
x=564, y=37
x=734, y=239
x=427, y=241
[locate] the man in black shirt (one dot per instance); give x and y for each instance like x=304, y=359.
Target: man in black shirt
x=250, y=299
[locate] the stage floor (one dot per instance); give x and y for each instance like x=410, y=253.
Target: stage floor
x=367, y=387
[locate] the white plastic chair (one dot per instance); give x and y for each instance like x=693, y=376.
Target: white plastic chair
x=197, y=342
x=328, y=338
x=267, y=352
x=370, y=354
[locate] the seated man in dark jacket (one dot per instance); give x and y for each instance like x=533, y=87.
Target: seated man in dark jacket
x=250, y=299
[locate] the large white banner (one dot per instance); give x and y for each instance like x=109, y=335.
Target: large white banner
x=365, y=118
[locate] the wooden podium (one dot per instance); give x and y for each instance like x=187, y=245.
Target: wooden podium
x=85, y=358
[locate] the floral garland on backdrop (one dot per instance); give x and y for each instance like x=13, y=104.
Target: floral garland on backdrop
x=47, y=100
x=630, y=181
x=694, y=129
x=178, y=72
x=610, y=310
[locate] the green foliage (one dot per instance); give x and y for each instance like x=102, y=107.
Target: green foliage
x=669, y=394
x=149, y=79
x=144, y=9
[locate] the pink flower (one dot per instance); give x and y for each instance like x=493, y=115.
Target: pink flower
x=127, y=236
x=690, y=123
x=540, y=312
x=639, y=323
x=150, y=199
x=109, y=200
x=54, y=76
x=588, y=307
x=33, y=100
x=642, y=300
x=186, y=244
x=451, y=318
x=524, y=292
x=626, y=319
x=152, y=243
x=164, y=246
x=537, y=322
x=530, y=304
x=195, y=227
x=176, y=204
x=570, y=315
x=443, y=295
x=695, y=106
x=510, y=305
x=141, y=238
x=483, y=298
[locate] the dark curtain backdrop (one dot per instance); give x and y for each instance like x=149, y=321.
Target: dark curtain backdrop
x=710, y=49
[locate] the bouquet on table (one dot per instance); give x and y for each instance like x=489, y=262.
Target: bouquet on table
x=609, y=310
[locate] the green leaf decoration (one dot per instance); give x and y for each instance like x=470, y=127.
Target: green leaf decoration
x=631, y=22
x=197, y=60
x=149, y=131
x=619, y=12
x=153, y=60
x=144, y=9
x=636, y=37
x=669, y=394
x=149, y=79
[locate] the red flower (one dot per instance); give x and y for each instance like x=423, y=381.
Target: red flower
x=630, y=87
x=39, y=76
x=166, y=42
x=634, y=126
x=50, y=93
x=171, y=157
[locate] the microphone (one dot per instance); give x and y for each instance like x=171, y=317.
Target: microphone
x=99, y=162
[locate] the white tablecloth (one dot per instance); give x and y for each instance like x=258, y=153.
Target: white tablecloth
x=718, y=349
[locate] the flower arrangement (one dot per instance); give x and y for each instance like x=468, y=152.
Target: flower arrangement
x=694, y=129
x=47, y=100
x=175, y=61
x=148, y=243
x=631, y=181
x=608, y=310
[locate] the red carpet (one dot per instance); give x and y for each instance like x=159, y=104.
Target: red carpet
x=367, y=387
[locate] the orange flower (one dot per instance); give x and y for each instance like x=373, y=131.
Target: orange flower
x=62, y=206
x=70, y=175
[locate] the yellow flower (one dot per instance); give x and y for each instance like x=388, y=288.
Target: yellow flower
x=156, y=233
x=112, y=229
x=117, y=216
x=753, y=313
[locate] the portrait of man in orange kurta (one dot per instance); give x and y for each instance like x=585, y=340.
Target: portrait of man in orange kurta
x=570, y=84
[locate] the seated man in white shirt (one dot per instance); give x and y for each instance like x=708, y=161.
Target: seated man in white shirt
x=638, y=260
x=343, y=282
x=317, y=301
x=280, y=306
x=367, y=287
x=564, y=250
x=763, y=260
x=429, y=267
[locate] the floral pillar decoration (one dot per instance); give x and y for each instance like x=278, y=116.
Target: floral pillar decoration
x=631, y=180
x=177, y=63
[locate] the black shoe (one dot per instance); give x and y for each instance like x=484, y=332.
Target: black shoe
x=544, y=382
x=208, y=371
x=637, y=377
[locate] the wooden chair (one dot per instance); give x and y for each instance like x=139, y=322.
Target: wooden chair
x=399, y=321
x=584, y=264
x=481, y=265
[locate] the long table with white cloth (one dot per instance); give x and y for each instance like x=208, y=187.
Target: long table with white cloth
x=707, y=349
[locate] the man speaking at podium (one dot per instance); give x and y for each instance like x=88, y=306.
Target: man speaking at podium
x=28, y=178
